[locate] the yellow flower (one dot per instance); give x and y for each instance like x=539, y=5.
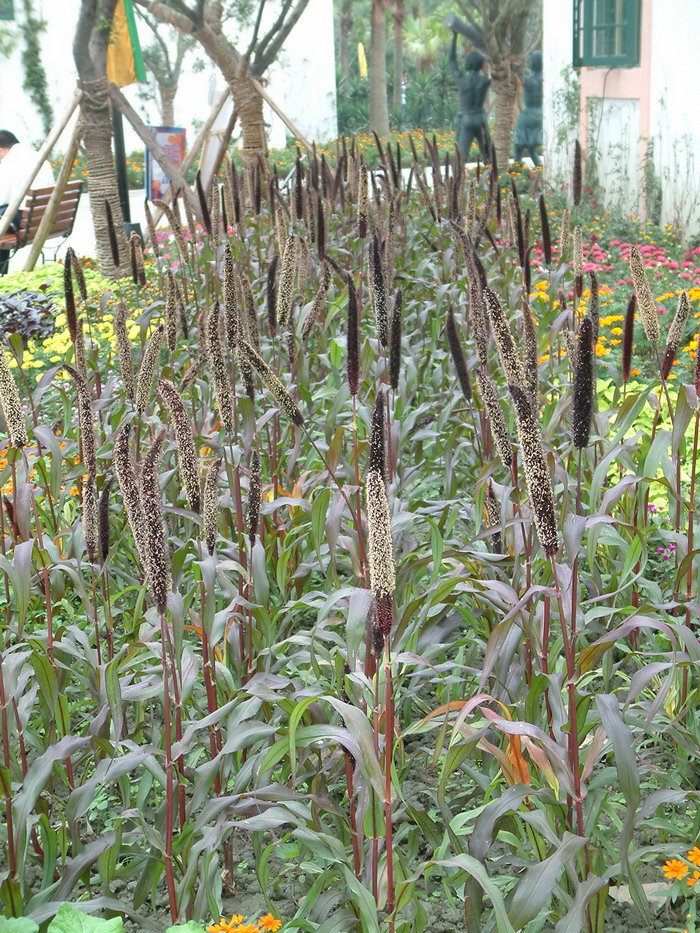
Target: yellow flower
x=674, y=868
x=226, y=926
x=616, y=331
x=693, y=879
x=269, y=922
x=694, y=856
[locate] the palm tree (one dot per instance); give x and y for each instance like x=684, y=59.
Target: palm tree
x=90, y=55
x=204, y=22
x=505, y=26
x=378, y=104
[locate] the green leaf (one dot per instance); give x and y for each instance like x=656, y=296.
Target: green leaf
x=71, y=920
x=539, y=881
x=18, y=925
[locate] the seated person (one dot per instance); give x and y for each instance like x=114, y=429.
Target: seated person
x=16, y=159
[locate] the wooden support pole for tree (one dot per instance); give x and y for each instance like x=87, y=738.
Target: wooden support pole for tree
x=224, y=143
x=174, y=174
x=222, y=139
x=194, y=151
x=55, y=200
x=41, y=157
x=292, y=127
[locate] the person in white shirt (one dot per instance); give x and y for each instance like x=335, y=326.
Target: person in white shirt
x=16, y=159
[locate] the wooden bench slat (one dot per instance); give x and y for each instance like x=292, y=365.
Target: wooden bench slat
x=64, y=213
x=36, y=208
x=42, y=203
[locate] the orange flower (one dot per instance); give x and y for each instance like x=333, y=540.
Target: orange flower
x=694, y=856
x=269, y=922
x=694, y=878
x=226, y=926
x=674, y=868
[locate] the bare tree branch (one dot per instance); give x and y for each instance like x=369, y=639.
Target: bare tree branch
x=267, y=38
x=167, y=15
x=261, y=63
x=256, y=30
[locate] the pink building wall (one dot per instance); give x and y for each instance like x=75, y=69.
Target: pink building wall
x=622, y=84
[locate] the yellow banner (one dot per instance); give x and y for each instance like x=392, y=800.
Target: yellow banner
x=121, y=68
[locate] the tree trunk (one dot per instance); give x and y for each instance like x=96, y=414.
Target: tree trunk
x=102, y=177
x=506, y=86
x=249, y=105
x=399, y=13
x=378, y=106
x=344, y=39
x=506, y=46
x=167, y=104
x=246, y=100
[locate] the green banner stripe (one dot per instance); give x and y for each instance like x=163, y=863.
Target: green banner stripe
x=135, y=44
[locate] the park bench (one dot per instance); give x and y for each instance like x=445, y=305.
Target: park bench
x=33, y=213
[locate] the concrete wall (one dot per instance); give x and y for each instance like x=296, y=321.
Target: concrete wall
x=674, y=125
x=303, y=82
x=559, y=133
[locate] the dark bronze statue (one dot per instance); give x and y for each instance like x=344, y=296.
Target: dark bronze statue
x=473, y=86
x=528, y=128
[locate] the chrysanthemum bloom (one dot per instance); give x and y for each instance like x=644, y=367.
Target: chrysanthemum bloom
x=224, y=925
x=674, y=868
x=269, y=922
x=694, y=878
x=694, y=856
